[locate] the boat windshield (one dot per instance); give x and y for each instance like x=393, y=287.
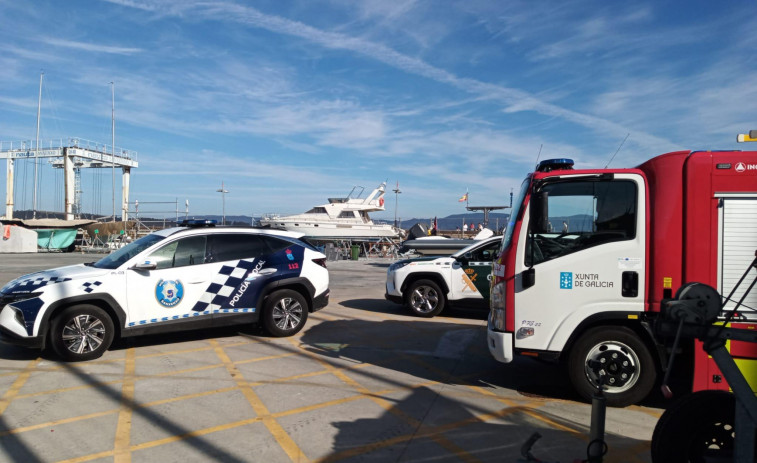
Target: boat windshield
x=507, y=236
x=119, y=257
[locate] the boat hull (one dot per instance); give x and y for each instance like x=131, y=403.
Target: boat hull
x=325, y=230
x=435, y=247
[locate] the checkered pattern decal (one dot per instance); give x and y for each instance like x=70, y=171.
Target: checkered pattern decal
x=225, y=282
x=88, y=287
x=30, y=284
x=188, y=315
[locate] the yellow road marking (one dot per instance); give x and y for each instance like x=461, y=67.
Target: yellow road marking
x=389, y=407
x=175, y=399
x=145, y=356
x=123, y=430
x=52, y=424
x=555, y=424
x=281, y=436
x=143, y=377
x=427, y=432
x=12, y=392
x=649, y=411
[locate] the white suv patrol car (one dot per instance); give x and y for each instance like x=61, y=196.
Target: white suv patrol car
x=424, y=285
x=181, y=278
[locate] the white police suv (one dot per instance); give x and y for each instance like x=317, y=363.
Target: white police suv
x=424, y=285
x=189, y=277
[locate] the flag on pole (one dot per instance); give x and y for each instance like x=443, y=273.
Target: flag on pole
x=464, y=198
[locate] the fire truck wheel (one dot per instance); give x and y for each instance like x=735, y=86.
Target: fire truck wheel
x=619, y=355
x=424, y=298
x=698, y=427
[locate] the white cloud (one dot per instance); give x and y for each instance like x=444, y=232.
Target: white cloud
x=90, y=47
x=514, y=99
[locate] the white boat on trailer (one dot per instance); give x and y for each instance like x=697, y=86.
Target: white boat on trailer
x=340, y=218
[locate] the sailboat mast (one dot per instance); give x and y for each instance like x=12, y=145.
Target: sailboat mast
x=36, y=149
x=113, y=142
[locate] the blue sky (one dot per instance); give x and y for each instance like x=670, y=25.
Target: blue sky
x=291, y=102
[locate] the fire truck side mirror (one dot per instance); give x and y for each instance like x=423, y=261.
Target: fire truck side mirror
x=528, y=278
x=539, y=212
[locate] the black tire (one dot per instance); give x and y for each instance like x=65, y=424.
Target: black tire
x=81, y=332
x=698, y=427
x=284, y=313
x=627, y=362
x=424, y=298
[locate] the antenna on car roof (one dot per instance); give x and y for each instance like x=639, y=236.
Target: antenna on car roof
x=616, y=151
x=538, y=155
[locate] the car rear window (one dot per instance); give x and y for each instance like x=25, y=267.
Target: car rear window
x=235, y=246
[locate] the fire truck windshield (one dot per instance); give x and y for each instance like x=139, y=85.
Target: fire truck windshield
x=517, y=205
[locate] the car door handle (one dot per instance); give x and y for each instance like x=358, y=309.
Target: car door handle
x=267, y=271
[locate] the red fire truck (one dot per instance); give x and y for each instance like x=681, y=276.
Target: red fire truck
x=589, y=255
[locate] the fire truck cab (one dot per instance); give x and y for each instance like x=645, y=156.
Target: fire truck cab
x=588, y=256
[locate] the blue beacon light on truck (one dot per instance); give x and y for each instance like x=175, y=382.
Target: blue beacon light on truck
x=549, y=165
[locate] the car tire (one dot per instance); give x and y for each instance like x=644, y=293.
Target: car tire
x=285, y=313
x=629, y=366
x=81, y=332
x=425, y=299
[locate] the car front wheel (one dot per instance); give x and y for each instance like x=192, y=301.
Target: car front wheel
x=81, y=332
x=425, y=299
x=285, y=313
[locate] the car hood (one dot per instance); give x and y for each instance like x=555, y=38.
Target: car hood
x=418, y=260
x=37, y=280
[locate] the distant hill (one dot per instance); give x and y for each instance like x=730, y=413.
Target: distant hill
x=451, y=222
x=497, y=221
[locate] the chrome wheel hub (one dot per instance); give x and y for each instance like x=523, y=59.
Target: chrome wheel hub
x=617, y=362
x=287, y=314
x=424, y=299
x=83, y=334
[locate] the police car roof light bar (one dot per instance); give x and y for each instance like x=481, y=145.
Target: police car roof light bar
x=196, y=223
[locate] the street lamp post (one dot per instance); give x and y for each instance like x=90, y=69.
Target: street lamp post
x=396, y=196
x=223, y=192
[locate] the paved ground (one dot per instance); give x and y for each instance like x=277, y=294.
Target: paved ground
x=363, y=382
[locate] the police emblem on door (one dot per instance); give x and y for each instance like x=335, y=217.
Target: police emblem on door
x=169, y=292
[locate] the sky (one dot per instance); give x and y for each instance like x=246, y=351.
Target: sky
x=290, y=102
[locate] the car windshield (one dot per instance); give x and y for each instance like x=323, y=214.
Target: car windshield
x=119, y=257
x=507, y=236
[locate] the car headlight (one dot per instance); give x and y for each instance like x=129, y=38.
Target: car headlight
x=497, y=304
x=6, y=299
x=10, y=299
x=398, y=265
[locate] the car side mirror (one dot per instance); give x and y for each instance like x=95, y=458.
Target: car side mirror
x=146, y=265
x=539, y=212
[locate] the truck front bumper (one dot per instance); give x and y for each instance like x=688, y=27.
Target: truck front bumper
x=500, y=345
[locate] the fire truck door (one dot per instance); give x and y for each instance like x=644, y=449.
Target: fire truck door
x=591, y=262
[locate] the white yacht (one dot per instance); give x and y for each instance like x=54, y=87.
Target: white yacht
x=340, y=218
